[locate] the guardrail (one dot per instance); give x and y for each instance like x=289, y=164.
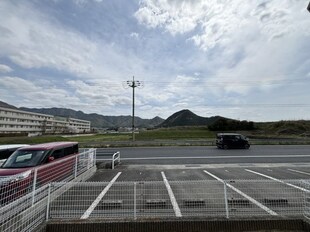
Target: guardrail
x=115, y=157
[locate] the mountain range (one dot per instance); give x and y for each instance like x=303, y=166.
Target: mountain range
x=181, y=118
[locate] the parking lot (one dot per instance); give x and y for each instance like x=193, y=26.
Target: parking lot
x=204, y=190
x=170, y=187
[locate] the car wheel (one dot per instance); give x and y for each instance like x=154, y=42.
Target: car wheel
x=225, y=147
x=247, y=146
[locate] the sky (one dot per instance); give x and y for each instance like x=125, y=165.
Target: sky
x=247, y=60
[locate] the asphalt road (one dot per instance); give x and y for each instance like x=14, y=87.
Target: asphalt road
x=209, y=155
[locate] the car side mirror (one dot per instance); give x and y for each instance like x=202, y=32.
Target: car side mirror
x=50, y=159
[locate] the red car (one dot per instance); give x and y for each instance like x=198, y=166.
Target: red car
x=32, y=166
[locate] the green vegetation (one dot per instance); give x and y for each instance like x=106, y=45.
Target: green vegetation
x=101, y=138
x=31, y=140
x=283, y=132
x=156, y=134
x=286, y=128
x=176, y=133
x=231, y=125
x=52, y=138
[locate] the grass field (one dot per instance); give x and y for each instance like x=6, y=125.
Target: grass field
x=158, y=134
x=175, y=135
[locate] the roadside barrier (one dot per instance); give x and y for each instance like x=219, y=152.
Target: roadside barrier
x=25, y=197
x=105, y=157
x=116, y=158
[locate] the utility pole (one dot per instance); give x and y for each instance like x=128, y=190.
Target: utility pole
x=133, y=84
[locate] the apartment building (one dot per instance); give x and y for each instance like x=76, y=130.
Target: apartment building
x=17, y=121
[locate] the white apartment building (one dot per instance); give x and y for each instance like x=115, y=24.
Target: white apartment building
x=17, y=121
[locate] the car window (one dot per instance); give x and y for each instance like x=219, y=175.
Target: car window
x=59, y=153
x=24, y=158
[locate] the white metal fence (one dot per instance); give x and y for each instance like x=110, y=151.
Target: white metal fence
x=25, y=204
x=242, y=199
x=15, y=186
x=212, y=199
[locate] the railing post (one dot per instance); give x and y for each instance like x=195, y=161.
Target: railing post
x=34, y=185
x=75, y=168
x=226, y=200
x=112, y=162
x=48, y=201
x=135, y=200
x=95, y=156
x=118, y=158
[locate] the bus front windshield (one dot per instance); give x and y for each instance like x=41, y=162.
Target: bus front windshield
x=24, y=158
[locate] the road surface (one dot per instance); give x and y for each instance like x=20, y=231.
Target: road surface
x=210, y=155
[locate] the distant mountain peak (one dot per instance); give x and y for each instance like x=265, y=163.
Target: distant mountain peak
x=187, y=118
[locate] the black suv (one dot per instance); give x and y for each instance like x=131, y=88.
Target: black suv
x=231, y=140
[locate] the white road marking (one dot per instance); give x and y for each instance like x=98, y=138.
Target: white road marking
x=212, y=157
x=280, y=181
x=306, y=173
x=271, y=212
x=174, y=202
x=100, y=196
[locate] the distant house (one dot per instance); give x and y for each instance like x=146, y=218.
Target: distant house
x=14, y=121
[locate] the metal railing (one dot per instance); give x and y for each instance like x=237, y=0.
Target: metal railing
x=109, y=156
x=29, y=210
x=67, y=169
x=242, y=199
x=116, y=157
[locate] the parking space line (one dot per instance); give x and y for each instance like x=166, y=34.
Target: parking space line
x=100, y=196
x=174, y=202
x=260, y=205
x=306, y=173
x=280, y=181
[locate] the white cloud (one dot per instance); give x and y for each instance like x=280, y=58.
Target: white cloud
x=134, y=35
x=210, y=54
x=218, y=21
x=32, y=41
x=31, y=94
x=257, y=44
x=175, y=16
x=5, y=69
